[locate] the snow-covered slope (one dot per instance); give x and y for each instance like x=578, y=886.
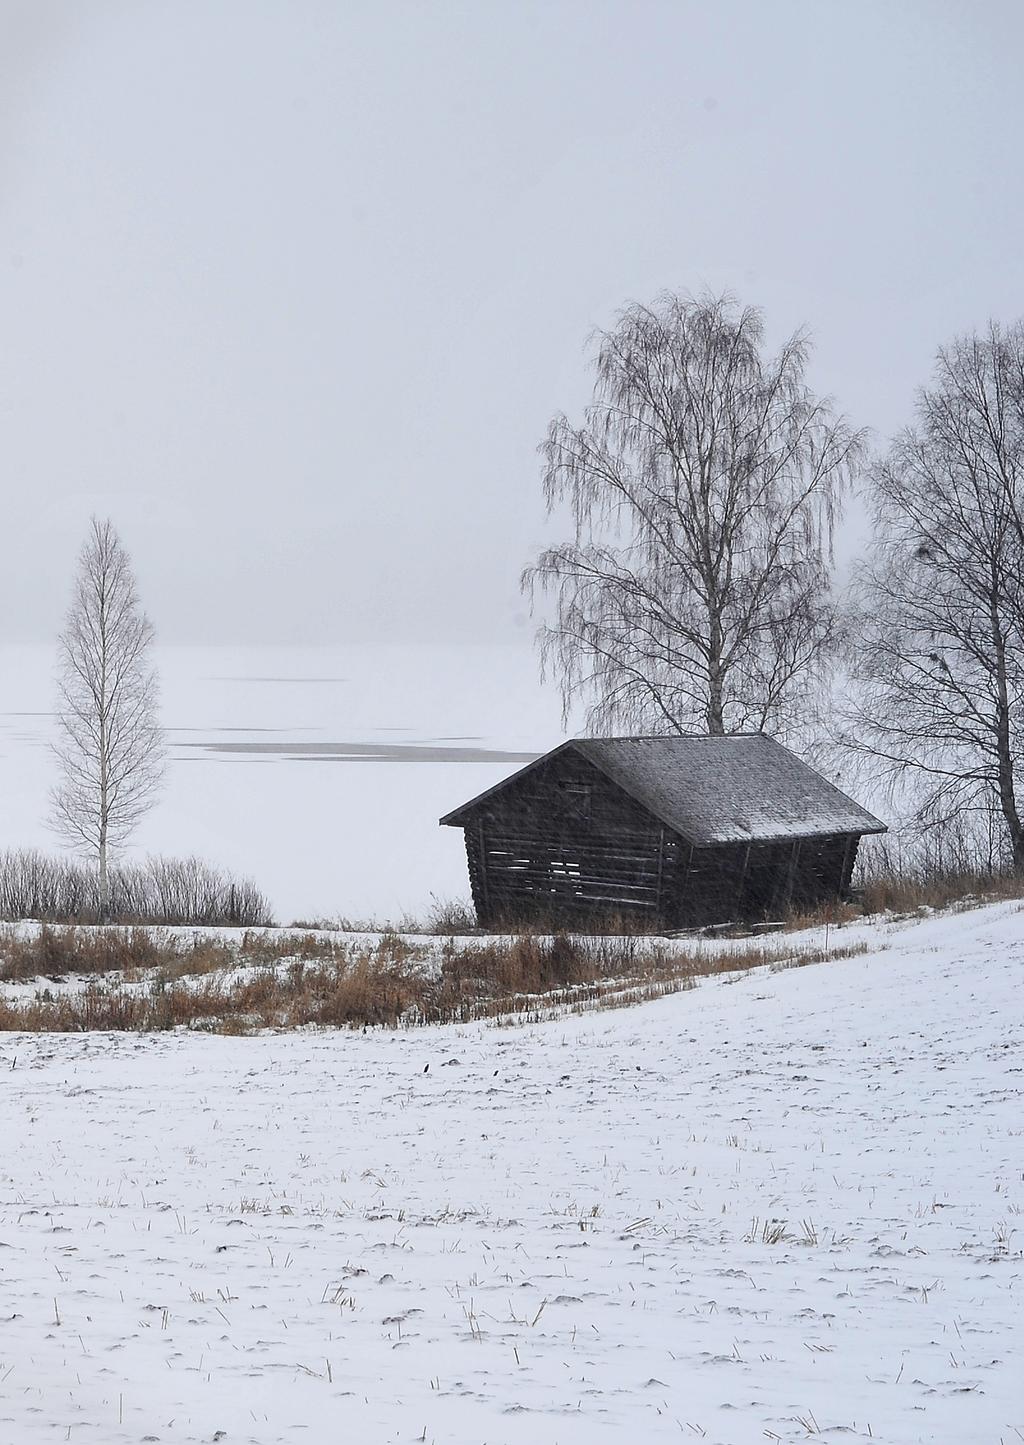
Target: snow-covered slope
x=773, y=1209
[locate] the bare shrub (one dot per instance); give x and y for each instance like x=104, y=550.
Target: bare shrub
x=159, y=891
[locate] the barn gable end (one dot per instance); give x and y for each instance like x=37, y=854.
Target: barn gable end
x=564, y=840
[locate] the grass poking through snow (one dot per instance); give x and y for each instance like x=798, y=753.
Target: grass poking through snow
x=140, y=980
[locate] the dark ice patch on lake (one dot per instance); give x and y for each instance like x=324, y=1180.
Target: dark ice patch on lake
x=278, y=679
x=433, y=751
x=206, y=731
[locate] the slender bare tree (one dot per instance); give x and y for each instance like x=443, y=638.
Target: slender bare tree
x=703, y=486
x=110, y=746
x=939, y=649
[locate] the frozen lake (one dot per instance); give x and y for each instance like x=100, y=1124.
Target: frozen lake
x=320, y=771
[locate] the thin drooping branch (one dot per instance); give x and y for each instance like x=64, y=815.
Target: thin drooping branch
x=110, y=746
x=703, y=486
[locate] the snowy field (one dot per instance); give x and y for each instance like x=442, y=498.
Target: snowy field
x=319, y=771
x=781, y=1208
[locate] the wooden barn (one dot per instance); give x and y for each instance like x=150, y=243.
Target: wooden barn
x=679, y=831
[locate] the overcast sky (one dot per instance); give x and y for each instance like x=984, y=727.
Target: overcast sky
x=290, y=290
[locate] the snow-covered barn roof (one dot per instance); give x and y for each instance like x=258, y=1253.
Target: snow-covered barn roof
x=738, y=789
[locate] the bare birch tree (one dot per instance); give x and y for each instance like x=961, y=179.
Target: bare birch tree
x=110, y=746
x=940, y=648
x=703, y=486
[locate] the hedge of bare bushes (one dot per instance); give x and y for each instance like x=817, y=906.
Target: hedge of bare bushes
x=159, y=891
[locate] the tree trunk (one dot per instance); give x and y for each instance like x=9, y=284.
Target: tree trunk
x=1004, y=752
x=1008, y=803
x=104, y=906
x=716, y=706
x=1008, y=795
x=716, y=721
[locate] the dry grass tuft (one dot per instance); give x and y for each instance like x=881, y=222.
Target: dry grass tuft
x=907, y=894
x=894, y=894
x=142, y=981
x=55, y=952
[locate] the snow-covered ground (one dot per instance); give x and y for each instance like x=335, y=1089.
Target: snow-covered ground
x=780, y=1208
